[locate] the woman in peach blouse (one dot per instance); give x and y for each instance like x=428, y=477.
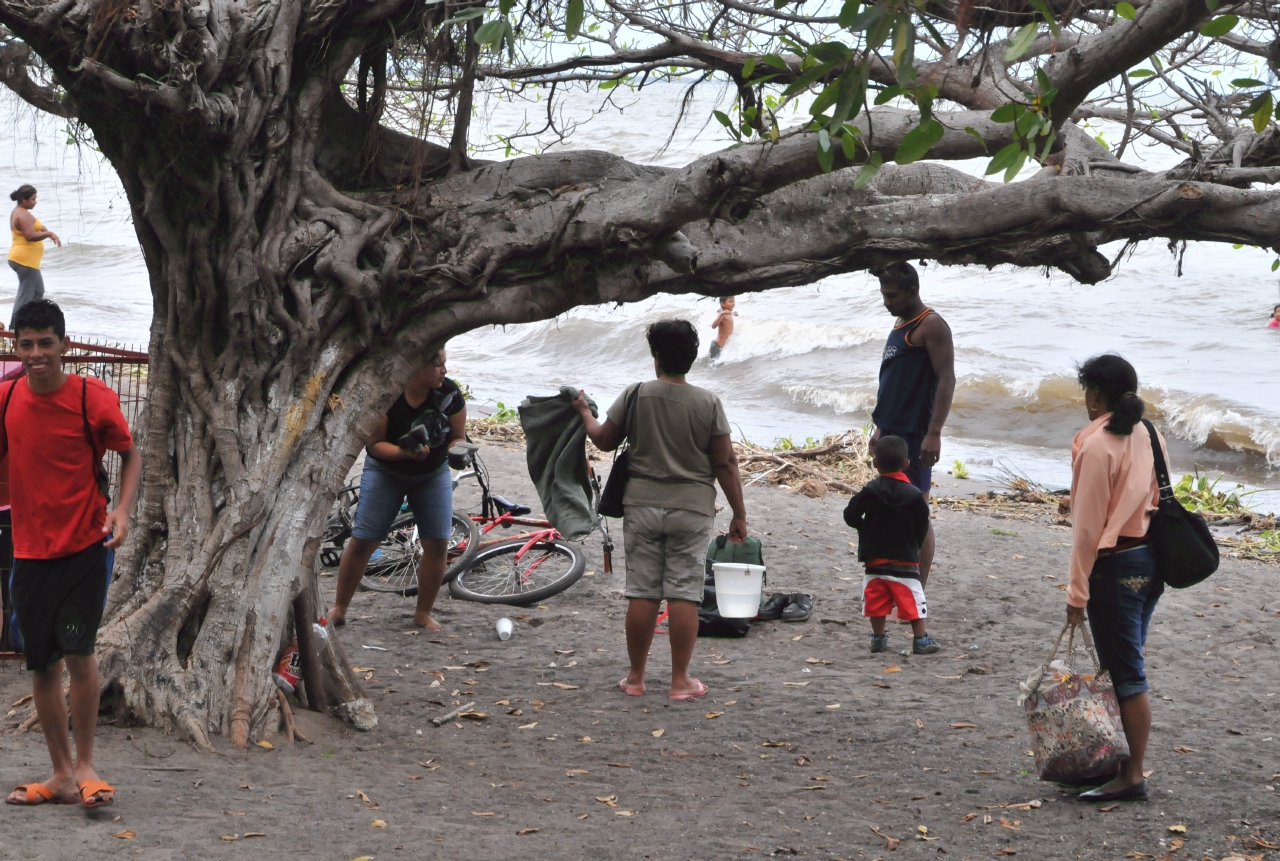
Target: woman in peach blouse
x=1113, y=575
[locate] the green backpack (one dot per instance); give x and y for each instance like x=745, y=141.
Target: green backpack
x=710, y=622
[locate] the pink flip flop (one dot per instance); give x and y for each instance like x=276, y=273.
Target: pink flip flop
x=630, y=690
x=700, y=692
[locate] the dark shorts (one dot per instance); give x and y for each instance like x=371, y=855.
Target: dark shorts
x=920, y=475
x=58, y=603
x=1123, y=591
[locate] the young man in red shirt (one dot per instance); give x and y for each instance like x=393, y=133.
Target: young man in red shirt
x=54, y=428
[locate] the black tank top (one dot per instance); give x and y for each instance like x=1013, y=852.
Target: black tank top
x=904, y=404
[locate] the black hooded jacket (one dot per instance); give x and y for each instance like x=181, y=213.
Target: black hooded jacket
x=892, y=519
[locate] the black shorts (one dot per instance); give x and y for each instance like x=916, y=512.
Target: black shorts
x=58, y=604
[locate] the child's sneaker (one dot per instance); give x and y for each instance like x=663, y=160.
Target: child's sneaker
x=925, y=645
x=879, y=644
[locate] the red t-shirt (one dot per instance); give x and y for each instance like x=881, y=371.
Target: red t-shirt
x=57, y=507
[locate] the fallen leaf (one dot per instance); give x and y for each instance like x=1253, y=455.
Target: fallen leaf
x=22, y=700
x=128, y=835
x=625, y=812
x=795, y=684
x=1178, y=829
x=964, y=725
x=571, y=772
x=713, y=715
x=657, y=733
x=919, y=724
x=254, y=834
x=363, y=797
x=473, y=715
x=888, y=670
x=478, y=813
x=1012, y=826
x=362, y=669
x=379, y=823
x=1184, y=749
x=584, y=816
x=564, y=686
x=266, y=745
x=986, y=819
x=1109, y=808
x=815, y=661
x=775, y=744
x=832, y=707
x=986, y=771
x=892, y=841
x=586, y=739
x=502, y=702
x=529, y=725
x=968, y=816
x=524, y=831
x=619, y=765
x=227, y=837
x=721, y=663
x=1006, y=850
x=515, y=712
x=608, y=800
x=881, y=685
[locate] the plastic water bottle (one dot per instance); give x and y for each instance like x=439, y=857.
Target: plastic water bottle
x=321, y=629
x=505, y=627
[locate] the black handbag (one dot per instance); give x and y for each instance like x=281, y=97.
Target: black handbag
x=1180, y=540
x=616, y=485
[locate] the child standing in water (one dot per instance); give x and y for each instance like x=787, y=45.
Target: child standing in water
x=892, y=520
x=723, y=324
x=1274, y=322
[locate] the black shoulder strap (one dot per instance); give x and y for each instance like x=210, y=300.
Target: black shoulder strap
x=1162, y=470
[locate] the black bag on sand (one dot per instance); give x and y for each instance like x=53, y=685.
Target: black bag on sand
x=616, y=484
x=710, y=622
x=1180, y=540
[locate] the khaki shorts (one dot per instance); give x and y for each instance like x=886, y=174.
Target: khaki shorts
x=666, y=552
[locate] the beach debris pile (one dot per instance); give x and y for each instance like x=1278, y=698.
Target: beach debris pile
x=495, y=429
x=838, y=463
x=1022, y=499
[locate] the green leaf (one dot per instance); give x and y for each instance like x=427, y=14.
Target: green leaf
x=1247, y=82
x=1003, y=158
x=849, y=13
x=803, y=82
x=573, y=15
x=917, y=142
x=868, y=171
x=490, y=32
x=851, y=92
x=775, y=61
x=1018, y=161
x=825, y=99
x=824, y=140
x=826, y=158
x=877, y=33
x=849, y=143
x=889, y=93
x=1219, y=26
x=867, y=18
x=972, y=131
x=1021, y=41
x=1262, y=115
x=749, y=68
x=505, y=6
x=1126, y=10
x=467, y=15
x=1043, y=8
x=904, y=48
x=831, y=53
x=1028, y=123
x=608, y=85
x=1141, y=73
x=1006, y=113
x=1275, y=264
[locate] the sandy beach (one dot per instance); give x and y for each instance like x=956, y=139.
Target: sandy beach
x=807, y=745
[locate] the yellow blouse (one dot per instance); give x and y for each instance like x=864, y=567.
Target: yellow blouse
x=26, y=253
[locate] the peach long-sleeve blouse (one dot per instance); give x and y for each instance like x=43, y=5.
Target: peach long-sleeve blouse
x=1113, y=494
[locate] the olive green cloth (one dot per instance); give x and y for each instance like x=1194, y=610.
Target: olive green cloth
x=556, y=449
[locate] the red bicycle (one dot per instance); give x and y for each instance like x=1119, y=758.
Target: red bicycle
x=523, y=570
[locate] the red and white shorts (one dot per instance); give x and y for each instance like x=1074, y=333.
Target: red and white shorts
x=881, y=593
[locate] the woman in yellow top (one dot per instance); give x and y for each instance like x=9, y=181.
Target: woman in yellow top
x=28, y=247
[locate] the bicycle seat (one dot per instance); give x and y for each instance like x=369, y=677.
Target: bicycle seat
x=512, y=508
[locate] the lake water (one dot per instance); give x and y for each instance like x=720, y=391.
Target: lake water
x=804, y=360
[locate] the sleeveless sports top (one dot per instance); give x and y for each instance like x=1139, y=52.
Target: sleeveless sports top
x=26, y=253
x=904, y=404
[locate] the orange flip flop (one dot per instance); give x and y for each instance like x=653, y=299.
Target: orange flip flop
x=91, y=789
x=37, y=793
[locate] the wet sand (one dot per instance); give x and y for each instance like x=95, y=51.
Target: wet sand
x=564, y=766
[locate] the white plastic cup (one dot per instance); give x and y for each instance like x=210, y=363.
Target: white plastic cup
x=505, y=627
x=738, y=587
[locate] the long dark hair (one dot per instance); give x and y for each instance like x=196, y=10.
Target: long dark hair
x=1117, y=385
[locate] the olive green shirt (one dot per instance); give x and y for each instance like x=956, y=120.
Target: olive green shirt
x=670, y=437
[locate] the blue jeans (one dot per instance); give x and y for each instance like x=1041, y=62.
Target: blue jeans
x=382, y=492
x=1123, y=591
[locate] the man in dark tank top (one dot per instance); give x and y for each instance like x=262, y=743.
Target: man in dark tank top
x=917, y=382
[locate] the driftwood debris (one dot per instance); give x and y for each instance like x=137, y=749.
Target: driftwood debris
x=839, y=463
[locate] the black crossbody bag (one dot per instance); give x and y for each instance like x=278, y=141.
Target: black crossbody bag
x=616, y=485
x=1184, y=549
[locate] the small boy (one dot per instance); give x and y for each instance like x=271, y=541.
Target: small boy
x=54, y=428
x=723, y=324
x=892, y=519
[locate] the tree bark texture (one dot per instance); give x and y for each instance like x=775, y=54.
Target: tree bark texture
x=304, y=261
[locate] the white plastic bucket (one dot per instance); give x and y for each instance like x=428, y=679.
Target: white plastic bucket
x=738, y=587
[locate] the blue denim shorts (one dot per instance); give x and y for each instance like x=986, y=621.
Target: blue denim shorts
x=382, y=492
x=1123, y=591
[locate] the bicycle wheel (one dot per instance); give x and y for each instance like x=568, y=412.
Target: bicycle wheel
x=396, y=567
x=496, y=576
